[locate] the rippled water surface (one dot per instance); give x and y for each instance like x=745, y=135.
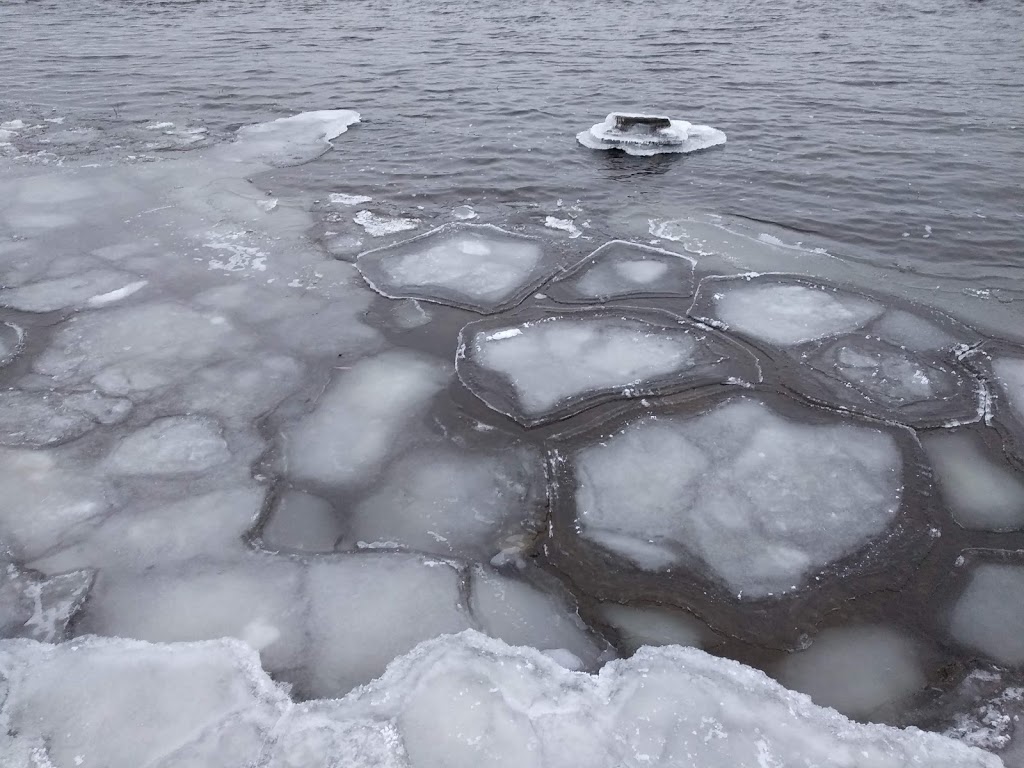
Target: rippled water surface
x=894, y=128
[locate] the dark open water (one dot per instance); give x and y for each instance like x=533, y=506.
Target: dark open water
x=866, y=122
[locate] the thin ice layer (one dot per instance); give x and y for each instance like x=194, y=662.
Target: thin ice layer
x=762, y=500
x=465, y=701
x=619, y=269
x=856, y=670
x=478, y=267
x=554, y=365
x=652, y=625
x=981, y=493
x=784, y=314
x=989, y=614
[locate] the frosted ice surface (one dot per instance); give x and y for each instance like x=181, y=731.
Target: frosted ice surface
x=906, y=329
x=856, y=670
x=545, y=367
x=257, y=600
x=475, y=266
x=650, y=625
x=520, y=614
x=981, y=493
x=450, y=501
x=169, y=446
x=466, y=700
x=1010, y=373
x=471, y=701
x=40, y=608
x=989, y=614
x=762, y=500
x=619, y=269
x=100, y=703
x=288, y=140
x=44, y=504
x=91, y=288
x=150, y=534
x=785, y=314
x=46, y=418
x=366, y=609
x=303, y=522
x=361, y=418
x=679, y=136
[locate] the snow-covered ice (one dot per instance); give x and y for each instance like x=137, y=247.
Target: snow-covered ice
x=781, y=312
x=667, y=136
x=475, y=266
x=552, y=365
x=762, y=500
x=988, y=616
x=982, y=492
x=621, y=269
x=454, y=701
x=342, y=198
x=857, y=670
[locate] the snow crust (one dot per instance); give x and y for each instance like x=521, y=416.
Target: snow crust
x=762, y=500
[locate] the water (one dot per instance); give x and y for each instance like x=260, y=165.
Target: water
x=894, y=128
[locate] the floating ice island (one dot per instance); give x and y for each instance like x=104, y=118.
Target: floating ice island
x=649, y=135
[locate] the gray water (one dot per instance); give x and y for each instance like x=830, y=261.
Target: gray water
x=891, y=128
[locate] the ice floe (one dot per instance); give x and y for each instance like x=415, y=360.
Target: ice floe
x=792, y=496
x=620, y=270
x=550, y=365
x=988, y=616
x=475, y=266
x=646, y=135
x=857, y=670
x=982, y=492
x=377, y=225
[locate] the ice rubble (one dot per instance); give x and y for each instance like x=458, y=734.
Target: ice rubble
x=550, y=365
x=791, y=496
x=981, y=493
x=475, y=266
x=620, y=269
x=988, y=616
x=465, y=700
x=856, y=670
x=666, y=136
